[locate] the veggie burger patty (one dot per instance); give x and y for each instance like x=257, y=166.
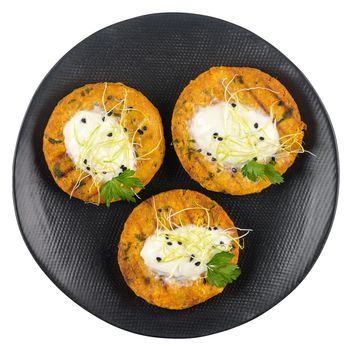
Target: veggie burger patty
x=236, y=130
x=97, y=132
x=178, y=249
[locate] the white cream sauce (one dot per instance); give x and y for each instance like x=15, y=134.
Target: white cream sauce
x=98, y=144
x=184, y=252
x=234, y=134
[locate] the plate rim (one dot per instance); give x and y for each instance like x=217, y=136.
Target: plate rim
x=327, y=230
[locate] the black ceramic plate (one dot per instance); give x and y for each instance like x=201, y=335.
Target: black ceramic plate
x=76, y=244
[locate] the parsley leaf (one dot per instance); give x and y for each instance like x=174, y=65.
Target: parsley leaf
x=221, y=270
x=120, y=187
x=254, y=170
x=273, y=175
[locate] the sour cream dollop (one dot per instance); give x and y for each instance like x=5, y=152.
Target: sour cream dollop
x=234, y=134
x=184, y=252
x=98, y=144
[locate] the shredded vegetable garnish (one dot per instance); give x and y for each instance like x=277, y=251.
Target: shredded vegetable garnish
x=290, y=143
x=242, y=140
x=193, y=244
x=103, y=155
x=232, y=134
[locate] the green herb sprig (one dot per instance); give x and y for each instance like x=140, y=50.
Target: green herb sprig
x=221, y=270
x=254, y=171
x=121, y=187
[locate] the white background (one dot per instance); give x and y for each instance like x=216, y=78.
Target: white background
x=34, y=35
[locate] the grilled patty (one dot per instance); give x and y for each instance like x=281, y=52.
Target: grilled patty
x=88, y=97
x=142, y=223
x=259, y=91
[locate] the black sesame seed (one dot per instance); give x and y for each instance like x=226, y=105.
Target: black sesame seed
x=122, y=166
x=104, y=172
x=191, y=259
x=220, y=138
x=179, y=243
x=125, y=129
x=215, y=228
x=213, y=159
x=233, y=105
x=221, y=242
x=169, y=243
x=103, y=119
x=158, y=258
x=110, y=113
x=255, y=158
x=215, y=134
x=140, y=131
x=192, y=255
x=197, y=263
x=199, y=150
x=109, y=97
x=87, y=168
x=85, y=161
x=209, y=228
x=208, y=154
x=261, y=138
x=144, y=128
x=273, y=159
x=256, y=125
x=83, y=120
x=159, y=209
x=130, y=107
x=234, y=170
x=110, y=134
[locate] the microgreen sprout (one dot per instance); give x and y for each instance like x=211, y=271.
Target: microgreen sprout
x=196, y=242
x=100, y=153
x=239, y=139
x=247, y=137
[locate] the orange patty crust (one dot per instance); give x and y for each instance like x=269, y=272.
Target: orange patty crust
x=88, y=97
x=142, y=223
x=267, y=94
